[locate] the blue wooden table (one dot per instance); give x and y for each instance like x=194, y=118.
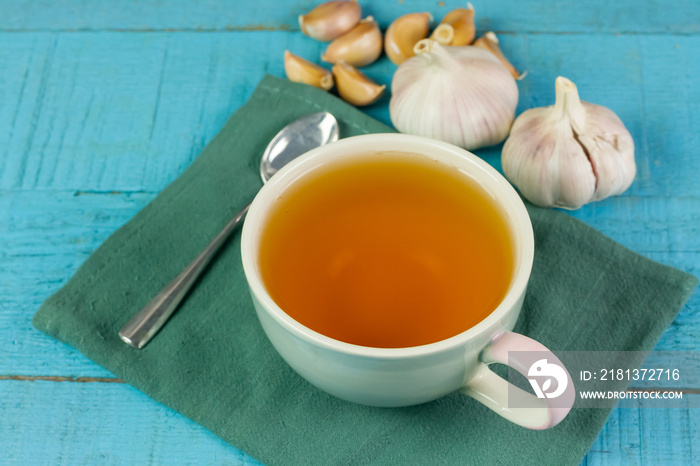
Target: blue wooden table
x=102, y=104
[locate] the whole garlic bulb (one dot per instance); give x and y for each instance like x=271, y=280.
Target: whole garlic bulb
x=461, y=95
x=570, y=153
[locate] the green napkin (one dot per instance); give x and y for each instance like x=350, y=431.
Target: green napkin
x=213, y=363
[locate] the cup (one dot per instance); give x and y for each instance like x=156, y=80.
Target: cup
x=392, y=377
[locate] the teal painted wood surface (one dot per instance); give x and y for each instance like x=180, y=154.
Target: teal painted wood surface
x=102, y=104
x=650, y=16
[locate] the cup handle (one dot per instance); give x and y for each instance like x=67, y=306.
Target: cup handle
x=491, y=390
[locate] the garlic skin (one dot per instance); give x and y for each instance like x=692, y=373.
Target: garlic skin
x=360, y=46
x=570, y=153
x=354, y=87
x=461, y=95
x=330, y=20
x=490, y=42
x=403, y=34
x=303, y=71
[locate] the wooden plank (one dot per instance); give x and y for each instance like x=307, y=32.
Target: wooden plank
x=44, y=237
x=101, y=423
x=647, y=436
x=595, y=16
x=113, y=423
x=106, y=113
x=648, y=224
x=129, y=111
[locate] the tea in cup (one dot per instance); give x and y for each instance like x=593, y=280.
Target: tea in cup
x=389, y=270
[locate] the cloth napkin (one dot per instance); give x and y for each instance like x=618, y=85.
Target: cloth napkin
x=213, y=363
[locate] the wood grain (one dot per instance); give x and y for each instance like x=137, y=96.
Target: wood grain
x=105, y=103
x=567, y=16
x=630, y=435
x=65, y=424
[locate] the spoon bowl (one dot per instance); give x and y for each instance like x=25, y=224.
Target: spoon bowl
x=293, y=140
x=296, y=139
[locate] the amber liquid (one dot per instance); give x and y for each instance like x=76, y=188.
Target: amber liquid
x=395, y=251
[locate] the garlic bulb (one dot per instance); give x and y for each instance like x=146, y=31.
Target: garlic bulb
x=461, y=95
x=570, y=153
x=330, y=20
x=360, y=46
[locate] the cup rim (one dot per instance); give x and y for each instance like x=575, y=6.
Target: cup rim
x=514, y=209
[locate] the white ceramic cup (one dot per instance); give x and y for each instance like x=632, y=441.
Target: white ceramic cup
x=407, y=376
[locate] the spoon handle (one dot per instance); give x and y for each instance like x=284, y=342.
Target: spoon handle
x=144, y=325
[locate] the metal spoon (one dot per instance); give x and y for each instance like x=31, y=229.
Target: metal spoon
x=293, y=140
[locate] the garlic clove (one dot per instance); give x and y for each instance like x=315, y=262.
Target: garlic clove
x=605, y=142
x=569, y=154
x=403, y=33
x=303, y=71
x=611, y=152
x=461, y=95
x=354, y=87
x=490, y=42
x=360, y=46
x=331, y=19
x=549, y=169
x=462, y=22
x=443, y=34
